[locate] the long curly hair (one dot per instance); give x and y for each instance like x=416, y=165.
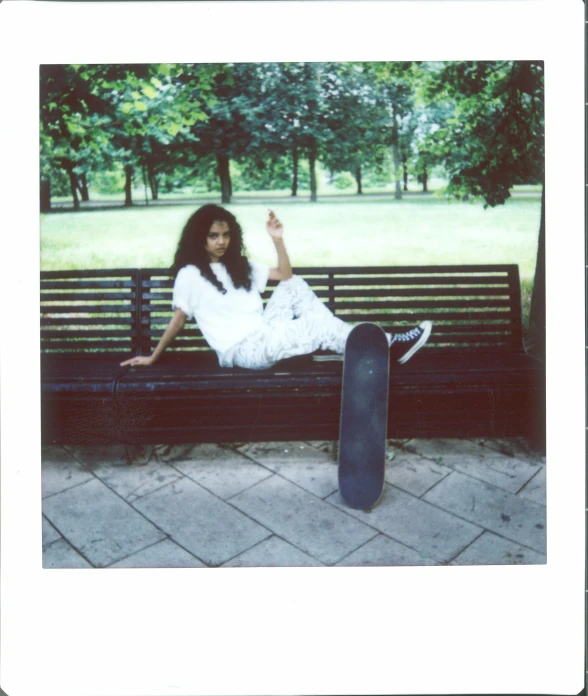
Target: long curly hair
x=192, y=248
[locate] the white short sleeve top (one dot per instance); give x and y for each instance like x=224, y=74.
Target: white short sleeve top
x=224, y=319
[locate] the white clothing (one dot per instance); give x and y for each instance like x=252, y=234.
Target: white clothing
x=243, y=334
x=225, y=319
x=295, y=322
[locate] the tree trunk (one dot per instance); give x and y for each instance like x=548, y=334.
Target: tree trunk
x=425, y=177
x=153, y=183
x=536, y=333
x=144, y=173
x=225, y=177
x=294, y=169
x=74, y=188
x=358, y=180
x=312, y=167
x=45, y=195
x=128, y=185
x=396, y=155
x=82, y=182
x=404, y=171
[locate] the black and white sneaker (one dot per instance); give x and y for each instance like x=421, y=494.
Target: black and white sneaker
x=404, y=345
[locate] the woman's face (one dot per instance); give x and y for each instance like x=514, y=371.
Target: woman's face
x=217, y=241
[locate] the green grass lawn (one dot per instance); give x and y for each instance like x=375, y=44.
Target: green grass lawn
x=366, y=232
x=363, y=232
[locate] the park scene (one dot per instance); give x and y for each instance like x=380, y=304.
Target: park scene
x=407, y=191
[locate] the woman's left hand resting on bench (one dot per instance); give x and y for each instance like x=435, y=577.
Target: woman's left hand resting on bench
x=173, y=329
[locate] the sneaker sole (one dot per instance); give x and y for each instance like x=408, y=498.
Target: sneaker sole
x=426, y=326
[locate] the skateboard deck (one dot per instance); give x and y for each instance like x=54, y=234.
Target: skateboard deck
x=364, y=416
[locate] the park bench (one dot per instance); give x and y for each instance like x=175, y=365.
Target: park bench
x=472, y=379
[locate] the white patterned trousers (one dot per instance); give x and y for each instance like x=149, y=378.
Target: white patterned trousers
x=296, y=322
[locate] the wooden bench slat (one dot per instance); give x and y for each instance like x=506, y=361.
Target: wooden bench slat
x=429, y=281
x=501, y=327
x=384, y=294
x=89, y=273
x=185, y=343
x=87, y=333
x=389, y=270
x=419, y=304
x=85, y=284
x=86, y=296
x=346, y=313
x=186, y=335
x=393, y=292
x=475, y=282
x=86, y=321
x=459, y=339
x=417, y=316
x=86, y=309
x=392, y=270
x=99, y=346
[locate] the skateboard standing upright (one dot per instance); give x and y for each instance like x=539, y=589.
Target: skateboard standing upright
x=364, y=416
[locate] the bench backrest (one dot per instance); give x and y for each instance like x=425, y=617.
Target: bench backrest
x=127, y=310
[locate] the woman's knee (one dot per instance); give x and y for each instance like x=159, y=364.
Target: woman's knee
x=294, y=281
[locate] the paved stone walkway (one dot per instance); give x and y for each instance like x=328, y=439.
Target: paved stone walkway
x=445, y=502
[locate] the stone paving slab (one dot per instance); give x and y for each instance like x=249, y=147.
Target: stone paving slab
x=50, y=534
x=415, y=523
x=200, y=522
x=536, y=489
x=317, y=477
x=412, y=473
x=99, y=523
x=492, y=508
x=221, y=471
x=491, y=549
x=163, y=554
x=484, y=463
x=383, y=551
x=507, y=473
x=272, y=552
x=308, y=465
x=132, y=481
x=60, y=554
x=60, y=471
x=302, y=519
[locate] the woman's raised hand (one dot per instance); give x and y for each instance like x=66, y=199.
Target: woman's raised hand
x=274, y=226
x=139, y=360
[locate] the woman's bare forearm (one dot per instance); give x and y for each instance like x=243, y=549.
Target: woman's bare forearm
x=284, y=266
x=174, y=327
x=276, y=232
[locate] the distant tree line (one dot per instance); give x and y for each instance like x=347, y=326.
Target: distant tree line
x=173, y=125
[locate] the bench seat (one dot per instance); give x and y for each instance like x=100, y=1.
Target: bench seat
x=183, y=399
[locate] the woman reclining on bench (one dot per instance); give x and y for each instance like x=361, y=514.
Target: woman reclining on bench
x=217, y=285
